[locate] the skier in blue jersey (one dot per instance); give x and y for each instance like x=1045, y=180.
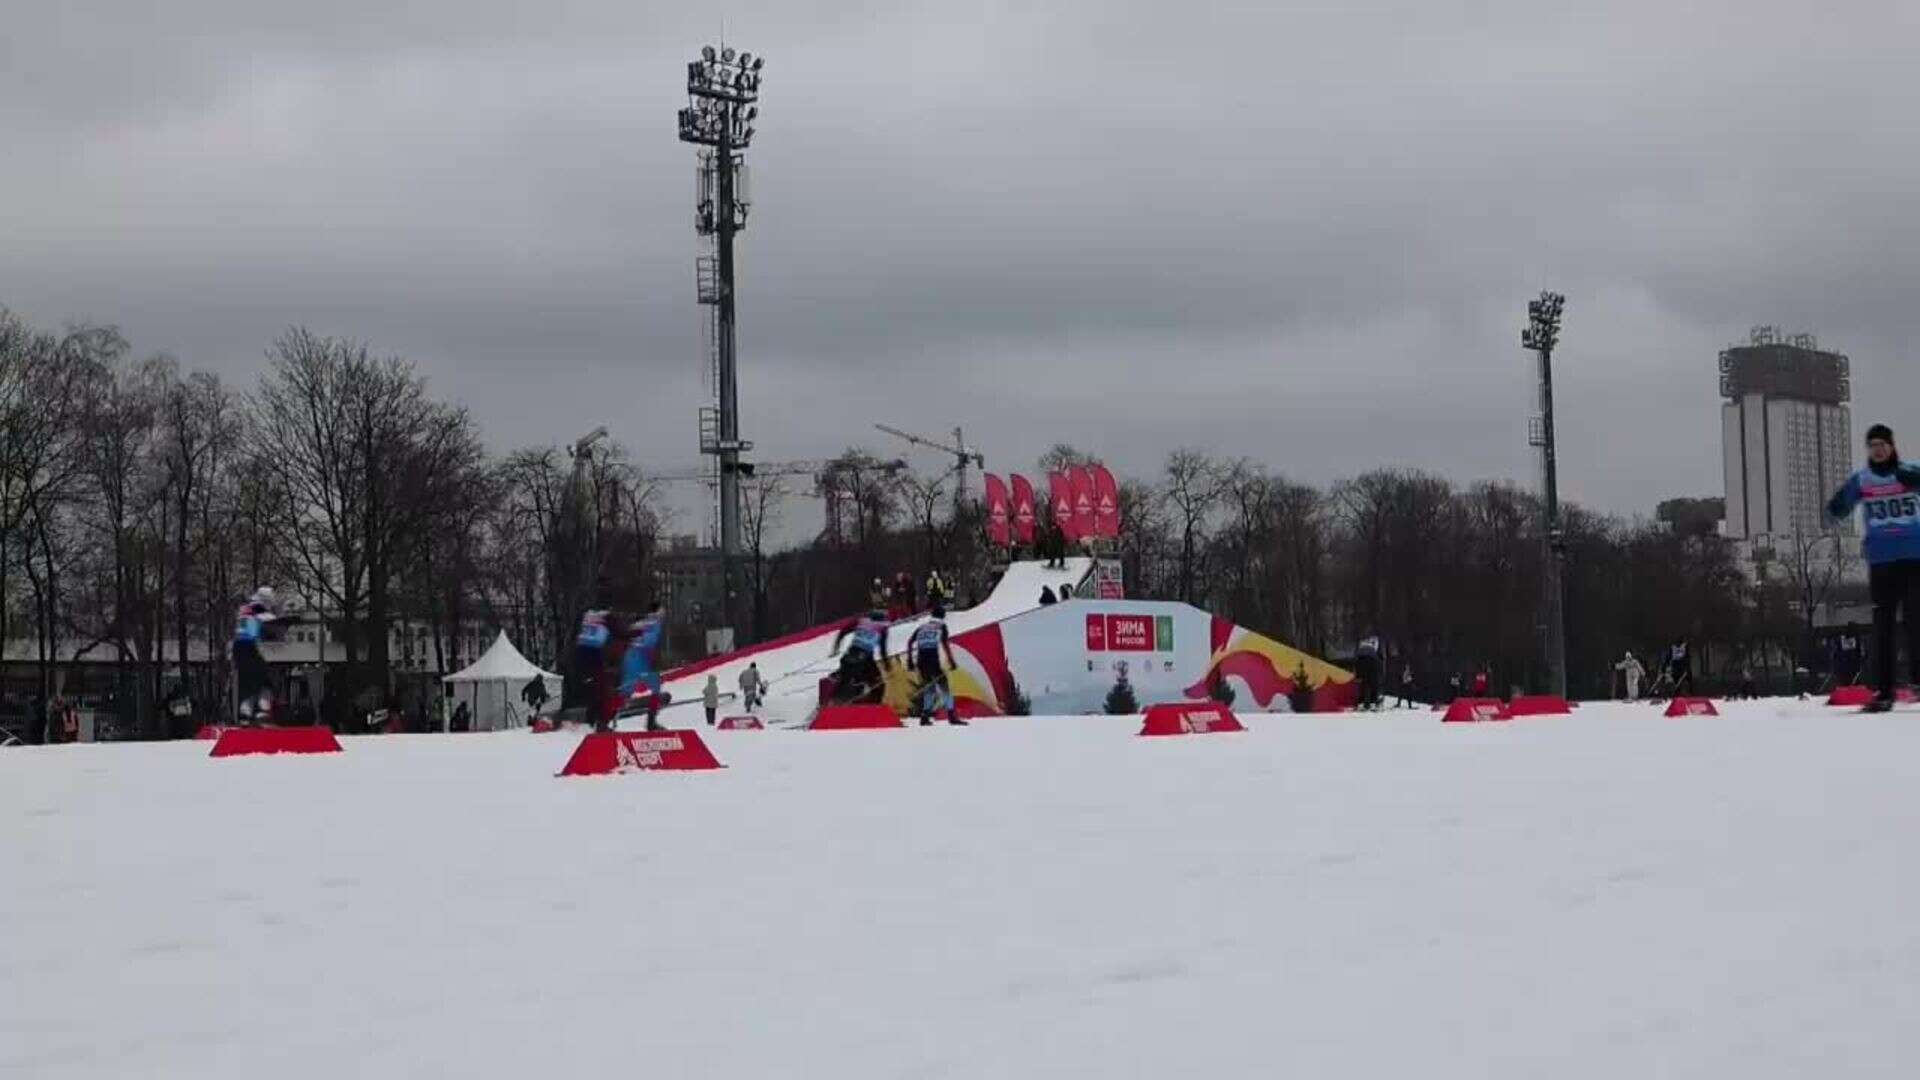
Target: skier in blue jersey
x=859, y=678
x=249, y=666
x=589, y=661
x=929, y=640
x=1887, y=491
x=638, y=667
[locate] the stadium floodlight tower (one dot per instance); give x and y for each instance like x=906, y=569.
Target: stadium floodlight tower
x=722, y=90
x=1540, y=336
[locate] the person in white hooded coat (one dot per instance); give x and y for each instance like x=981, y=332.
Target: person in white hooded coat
x=1634, y=672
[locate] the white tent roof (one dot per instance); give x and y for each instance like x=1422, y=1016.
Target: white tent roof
x=500, y=663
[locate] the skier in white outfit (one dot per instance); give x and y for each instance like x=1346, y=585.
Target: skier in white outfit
x=1634, y=671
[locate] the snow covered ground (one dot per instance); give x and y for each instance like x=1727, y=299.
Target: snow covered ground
x=1609, y=895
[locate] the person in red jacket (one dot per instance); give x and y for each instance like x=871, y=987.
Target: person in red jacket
x=1480, y=682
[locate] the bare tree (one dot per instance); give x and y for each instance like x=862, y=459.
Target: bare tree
x=1812, y=564
x=125, y=511
x=43, y=464
x=1301, y=550
x=924, y=497
x=357, y=453
x=762, y=509
x=1245, y=540
x=1192, y=490
x=197, y=431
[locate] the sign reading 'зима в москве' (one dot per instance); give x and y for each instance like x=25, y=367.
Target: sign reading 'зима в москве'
x=1129, y=633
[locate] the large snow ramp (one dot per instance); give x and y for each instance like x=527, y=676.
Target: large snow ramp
x=1063, y=658
x=1066, y=659
x=792, y=666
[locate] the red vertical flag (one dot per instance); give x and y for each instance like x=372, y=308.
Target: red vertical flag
x=1106, y=502
x=1062, y=494
x=1023, y=515
x=996, y=510
x=1083, y=502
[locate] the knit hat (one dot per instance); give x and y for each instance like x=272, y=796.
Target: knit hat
x=1881, y=432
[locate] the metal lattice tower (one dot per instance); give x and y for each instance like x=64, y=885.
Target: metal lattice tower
x=722, y=90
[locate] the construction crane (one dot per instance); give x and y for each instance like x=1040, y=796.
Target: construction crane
x=963, y=456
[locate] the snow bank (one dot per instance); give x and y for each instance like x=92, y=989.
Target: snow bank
x=1604, y=895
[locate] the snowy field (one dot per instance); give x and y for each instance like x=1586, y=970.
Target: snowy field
x=1610, y=895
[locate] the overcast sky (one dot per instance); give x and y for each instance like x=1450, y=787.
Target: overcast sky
x=1301, y=233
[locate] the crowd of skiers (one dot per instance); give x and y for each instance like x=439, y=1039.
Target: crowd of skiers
x=613, y=656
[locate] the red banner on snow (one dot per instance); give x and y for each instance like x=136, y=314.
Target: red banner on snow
x=240, y=741
x=1106, y=503
x=997, y=511
x=1085, y=523
x=1189, y=719
x=1061, y=489
x=605, y=753
x=1023, y=513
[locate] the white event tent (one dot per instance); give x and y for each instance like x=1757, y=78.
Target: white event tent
x=491, y=686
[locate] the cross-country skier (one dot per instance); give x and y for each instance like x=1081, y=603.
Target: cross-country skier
x=249, y=666
x=859, y=678
x=1888, y=492
x=1366, y=663
x=589, y=663
x=1632, y=670
x=1679, y=668
x=1846, y=663
x=929, y=640
x=637, y=667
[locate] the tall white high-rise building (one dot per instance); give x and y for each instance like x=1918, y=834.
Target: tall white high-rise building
x=1785, y=432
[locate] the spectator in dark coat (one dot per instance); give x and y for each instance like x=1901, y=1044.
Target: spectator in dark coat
x=1051, y=544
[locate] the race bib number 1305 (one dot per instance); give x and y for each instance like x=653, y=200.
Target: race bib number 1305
x=1893, y=508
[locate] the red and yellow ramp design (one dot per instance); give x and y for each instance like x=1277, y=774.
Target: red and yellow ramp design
x=1268, y=669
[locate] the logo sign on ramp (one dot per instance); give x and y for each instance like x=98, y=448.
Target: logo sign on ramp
x=242, y=741
x=1129, y=633
x=741, y=723
x=1189, y=719
x=1469, y=710
x=606, y=753
x=854, y=718
x=1692, y=706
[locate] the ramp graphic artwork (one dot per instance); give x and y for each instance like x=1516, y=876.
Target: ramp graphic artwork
x=1064, y=657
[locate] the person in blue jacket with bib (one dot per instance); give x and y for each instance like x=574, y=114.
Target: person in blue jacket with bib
x=638, y=667
x=1887, y=491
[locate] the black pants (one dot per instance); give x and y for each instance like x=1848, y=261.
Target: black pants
x=933, y=683
x=249, y=670
x=588, y=663
x=1368, y=669
x=858, y=680
x=1894, y=585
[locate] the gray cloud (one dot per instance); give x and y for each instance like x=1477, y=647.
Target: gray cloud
x=1305, y=235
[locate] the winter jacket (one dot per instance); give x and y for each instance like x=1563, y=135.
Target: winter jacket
x=1889, y=498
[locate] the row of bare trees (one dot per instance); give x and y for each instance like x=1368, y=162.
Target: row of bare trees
x=139, y=502
x=1450, y=576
